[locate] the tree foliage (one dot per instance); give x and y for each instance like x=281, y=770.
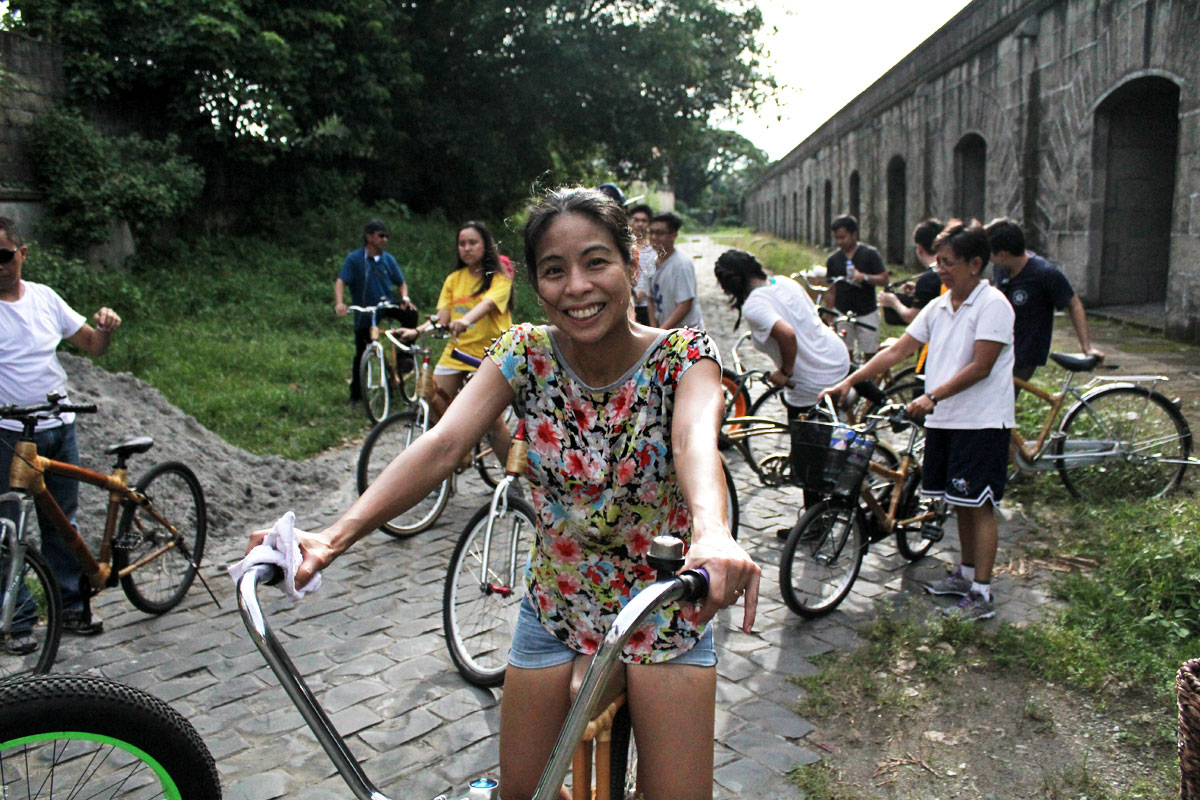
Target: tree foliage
x=458, y=104
x=92, y=180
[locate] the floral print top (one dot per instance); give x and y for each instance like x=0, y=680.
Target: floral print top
x=603, y=485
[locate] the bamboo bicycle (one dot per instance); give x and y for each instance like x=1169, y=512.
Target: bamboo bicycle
x=1119, y=438
x=397, y=432
x=382, y=371
x=822, y=556
x=154, y=550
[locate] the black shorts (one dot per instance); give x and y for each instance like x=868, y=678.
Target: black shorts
x=967, y=467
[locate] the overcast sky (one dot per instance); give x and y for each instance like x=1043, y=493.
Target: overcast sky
x=825, y=53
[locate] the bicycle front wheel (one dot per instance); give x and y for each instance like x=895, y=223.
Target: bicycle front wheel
x=622, y=761
x=821, y=558
x=373, y=378
x=910, y=539
x=731, y=500
x=487, y=461
x=1122, y=441
x=737, y=402
x=481, y=598
x=383, y=444
x=169, y=529
x=72, y=736
x=29, y=643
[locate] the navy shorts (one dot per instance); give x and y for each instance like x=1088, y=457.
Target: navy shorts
x=534, y=647
x=967, y=467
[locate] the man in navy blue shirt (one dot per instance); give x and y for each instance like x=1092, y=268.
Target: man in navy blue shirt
x=372, y=275
x=1035, y=287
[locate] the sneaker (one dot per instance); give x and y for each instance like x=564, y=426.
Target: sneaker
x=972, y=608
x=81, y=623
x=954, y=583
x=20, y=644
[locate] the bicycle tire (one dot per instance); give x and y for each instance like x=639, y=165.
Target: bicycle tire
x=736, y=401
x=480, y=602
x=622, y=752
x=383, y=444
x=484, y=457
x=732, y=507
x=817, y=569
x=173, y=491
x=1151, y=435
x=92, y=737
x=46, y=630
x=770, y=405
x=373, y=381
x=909, y=541
x=407, y=372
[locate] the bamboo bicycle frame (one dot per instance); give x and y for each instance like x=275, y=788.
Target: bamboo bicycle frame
x=1055, y=401
x=27, y=474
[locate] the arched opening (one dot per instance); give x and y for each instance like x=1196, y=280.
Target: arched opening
x=795, y=215
x=1135, y=143
x=827, y=237
x=897, y=191
x=970, y=176
x=808, y=215
x=856, y=196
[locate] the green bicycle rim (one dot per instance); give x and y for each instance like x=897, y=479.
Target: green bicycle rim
x=170, y=790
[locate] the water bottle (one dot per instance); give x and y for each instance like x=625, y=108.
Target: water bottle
x=484, y=789
x=858, y=456
x=838, y=443
x=851, y=271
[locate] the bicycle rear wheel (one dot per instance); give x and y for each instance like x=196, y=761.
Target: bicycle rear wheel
x=731, y=500
x=174, y=516
x=383, y=444
x=1144, y=440
x=373, y=378
x=737, y=402
x=481, y=599
x=31, y=643
x=769, y=405
x=910, y=539
x=75, y=736
x=821, y=558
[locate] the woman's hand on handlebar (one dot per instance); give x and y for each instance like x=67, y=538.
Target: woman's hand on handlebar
x=409, y=334
x=458, y=327
x=315, y=550
x=732, y=575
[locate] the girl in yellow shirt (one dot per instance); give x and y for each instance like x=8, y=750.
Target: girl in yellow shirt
x=475, y=304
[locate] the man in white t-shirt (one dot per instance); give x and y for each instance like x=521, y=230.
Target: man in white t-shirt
x=673, y=288
x=639, y=223
x=33, y=321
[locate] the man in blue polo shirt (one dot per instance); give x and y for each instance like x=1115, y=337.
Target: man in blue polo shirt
x=372, y=275
x=1035, y=287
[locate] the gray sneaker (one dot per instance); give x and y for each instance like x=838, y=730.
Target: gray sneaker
x=972, y=608
x=954, y=583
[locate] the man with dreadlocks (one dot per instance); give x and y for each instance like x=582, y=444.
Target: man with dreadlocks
x=784, y=324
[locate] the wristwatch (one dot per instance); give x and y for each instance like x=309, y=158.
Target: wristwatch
x=932, y=399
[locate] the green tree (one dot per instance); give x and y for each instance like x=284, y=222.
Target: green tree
x=458, y=104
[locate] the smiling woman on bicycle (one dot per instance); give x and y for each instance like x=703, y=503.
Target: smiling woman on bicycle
x=622, y=422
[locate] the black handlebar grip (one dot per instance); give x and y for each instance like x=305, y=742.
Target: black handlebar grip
x=78, y=408
x=695, y=583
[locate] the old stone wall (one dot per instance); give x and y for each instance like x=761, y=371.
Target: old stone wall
x=1078, y=118
x=30, y=82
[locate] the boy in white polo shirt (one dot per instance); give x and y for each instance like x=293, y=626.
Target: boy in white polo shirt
x=968, y=409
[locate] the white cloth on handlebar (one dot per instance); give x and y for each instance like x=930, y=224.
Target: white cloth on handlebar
x=282, y=549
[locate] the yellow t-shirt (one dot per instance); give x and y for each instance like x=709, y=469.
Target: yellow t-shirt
x=460, y=293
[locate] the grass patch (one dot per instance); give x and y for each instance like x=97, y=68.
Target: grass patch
x=240, y=331
x=820, y=782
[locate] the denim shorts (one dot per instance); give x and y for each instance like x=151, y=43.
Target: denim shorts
x=534, y=647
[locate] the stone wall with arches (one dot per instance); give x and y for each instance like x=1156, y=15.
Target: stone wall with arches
x=1078, y=118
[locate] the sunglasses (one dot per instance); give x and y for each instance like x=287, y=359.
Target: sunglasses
x=7, y=255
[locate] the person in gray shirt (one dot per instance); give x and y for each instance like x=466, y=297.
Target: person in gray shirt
x=673, y=290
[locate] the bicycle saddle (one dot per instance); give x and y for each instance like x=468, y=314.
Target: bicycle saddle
x=136, y=444
x=1075, y=363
